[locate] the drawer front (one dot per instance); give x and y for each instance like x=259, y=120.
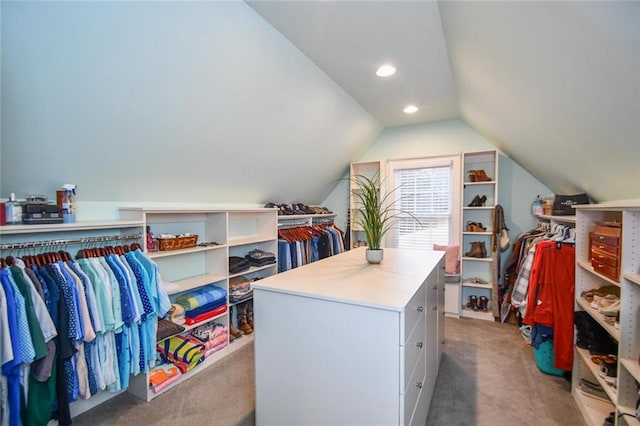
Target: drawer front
x=606, y=270
x=411, y=352
x=413, y=312
x=615, y=250
x=603, y=257
x=610, y=231
x=605, y=239
x=410, y=398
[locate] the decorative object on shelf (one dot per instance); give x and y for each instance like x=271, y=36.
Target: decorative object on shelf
x=176, y=242
x=563, y=204
x=478, y=201
x=479, y=176
x=375, y=213
x=478, y=249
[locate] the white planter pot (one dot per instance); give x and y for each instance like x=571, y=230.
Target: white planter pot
x=374, y=256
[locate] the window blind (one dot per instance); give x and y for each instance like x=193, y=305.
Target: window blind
x=426, y=194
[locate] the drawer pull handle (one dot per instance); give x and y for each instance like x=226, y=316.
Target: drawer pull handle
x=601, y=238
x=434, y=308
x=419, y=344
x=419, y=385
x=420, y=309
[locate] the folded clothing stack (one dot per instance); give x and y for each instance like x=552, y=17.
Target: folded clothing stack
x=203, y=303
x=176, y=314
x=240, y=289
x=259, y=257
x=182, y=352
x=238, y=264
x=212, y=335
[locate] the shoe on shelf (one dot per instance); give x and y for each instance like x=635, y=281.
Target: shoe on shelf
x=478, y=201
x=609, y=370
x=475, y=227
x=483, y=303
x=473, y=302
x=478, y=250
x=478, y=176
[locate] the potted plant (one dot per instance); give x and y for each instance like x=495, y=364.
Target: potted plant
x=374, y=213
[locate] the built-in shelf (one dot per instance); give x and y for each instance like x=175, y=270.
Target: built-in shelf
x=634, y=278
x=478, y=285
x=564, y=219
x=632, y=367
x=157, y=254
x=194, y=282
x=587, y=267
x=478, y=259
x=595, y=370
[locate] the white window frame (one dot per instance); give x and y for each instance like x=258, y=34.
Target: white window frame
x=454, y=162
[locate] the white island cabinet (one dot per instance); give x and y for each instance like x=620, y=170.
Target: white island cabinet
x=340, y=341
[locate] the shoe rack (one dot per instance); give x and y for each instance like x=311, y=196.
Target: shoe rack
x=235, y=233
x=370, y=169
x=621, y=391
x=478, y=260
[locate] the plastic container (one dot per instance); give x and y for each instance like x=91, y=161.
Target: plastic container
x=13, y=211
x=544, y=358
x=69, y=203
x=536, y=207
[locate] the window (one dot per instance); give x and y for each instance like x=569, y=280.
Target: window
x=426, y=190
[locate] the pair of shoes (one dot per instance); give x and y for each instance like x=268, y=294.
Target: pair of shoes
x=597, y=359
x=604, y=302
x=478, y=249
x=478, y=201
x=478, y=176
x=475, y=227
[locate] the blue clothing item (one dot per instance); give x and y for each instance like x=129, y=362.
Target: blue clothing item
x=158, y=294
x=294, y=255
x=204, y=308
x=540, y=334
x=67, y=298
x=76, y=302
x=284, y=256
x=88, y=290
x=25, y=343
x=93, y=386
x=201, y=296
x=11, y=369
x=126, y=303
x=315, y=256
x=52, y=293
x=122, y=349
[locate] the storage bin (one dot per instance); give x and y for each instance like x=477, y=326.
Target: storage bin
x=544, y=358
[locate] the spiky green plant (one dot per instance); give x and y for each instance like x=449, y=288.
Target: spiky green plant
x=376, y=214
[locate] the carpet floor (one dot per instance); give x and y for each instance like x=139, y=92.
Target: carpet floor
x=487, y=377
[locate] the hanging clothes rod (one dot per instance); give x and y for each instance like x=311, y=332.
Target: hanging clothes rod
x=51, y=243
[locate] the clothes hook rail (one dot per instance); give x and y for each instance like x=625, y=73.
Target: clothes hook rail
x=62, y=242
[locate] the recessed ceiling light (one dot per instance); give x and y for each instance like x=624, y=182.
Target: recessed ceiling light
x=386, y=70
x=410, y=109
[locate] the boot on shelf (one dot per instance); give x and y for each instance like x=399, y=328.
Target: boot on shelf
x=243, y=324
x=473, y=302
x=478, y=249
x=479, y=176
x=250, y=313
x=234, y=333
x=483, y=303
x=478, y=201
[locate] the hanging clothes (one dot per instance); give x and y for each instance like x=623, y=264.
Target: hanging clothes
x=73, y=328
x=301, y=245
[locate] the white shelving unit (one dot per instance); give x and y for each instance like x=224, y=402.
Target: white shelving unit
x=622, y=398
x=235, y=232
x=476, y=267
x=66, y=235
x=369, y=169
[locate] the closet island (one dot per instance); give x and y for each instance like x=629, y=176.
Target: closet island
x=343, y=341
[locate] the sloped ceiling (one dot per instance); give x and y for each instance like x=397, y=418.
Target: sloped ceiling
x=555, y=85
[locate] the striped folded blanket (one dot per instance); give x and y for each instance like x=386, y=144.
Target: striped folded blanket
x=201, y=296
x=182, y=349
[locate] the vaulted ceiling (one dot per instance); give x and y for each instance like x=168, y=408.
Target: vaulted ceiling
x=555, y=85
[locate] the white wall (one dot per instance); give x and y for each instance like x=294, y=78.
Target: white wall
x=517, y=188
x=167, y=101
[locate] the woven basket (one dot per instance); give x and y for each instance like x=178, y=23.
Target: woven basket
x=167, y=244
